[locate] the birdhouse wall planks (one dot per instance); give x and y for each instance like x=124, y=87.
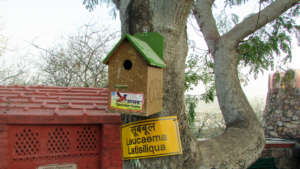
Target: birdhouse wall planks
x=135, y=67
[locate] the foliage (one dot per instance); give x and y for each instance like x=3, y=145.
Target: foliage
x=16, y=73
x=91, y=5
x=191, y=113
x=232, y=3
x=226, y=20
x=190, y=104
x=204, y=124
x=289, y=75
x=78, y=62
x=10, y=76
x=209, y=125
x=284, y=79
x=235, y=2
x=288, y=79
x=258, y=50
x=199, y=68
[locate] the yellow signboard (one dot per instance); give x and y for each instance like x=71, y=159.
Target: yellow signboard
x=151, y=138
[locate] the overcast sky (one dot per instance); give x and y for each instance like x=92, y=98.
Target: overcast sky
x=45, y=21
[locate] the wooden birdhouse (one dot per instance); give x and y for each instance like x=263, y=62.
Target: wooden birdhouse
x=135, y=67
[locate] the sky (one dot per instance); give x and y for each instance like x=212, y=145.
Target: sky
x=45, y=22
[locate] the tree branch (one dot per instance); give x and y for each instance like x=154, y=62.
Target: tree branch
x=268, y=14
x=204, y=17
x=14, y=76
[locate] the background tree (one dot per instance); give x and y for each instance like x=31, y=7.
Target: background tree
x=12, y=74
x=2, y=42
x=9, y=73
x=78, y=61
x=210, y=125
x=243, y=139
x=203, y=124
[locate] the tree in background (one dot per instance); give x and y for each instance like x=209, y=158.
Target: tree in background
x=243, y=139
x=210, y=125
x=9, y=73
x=12, y=74
x=203, y=124
x=78, y=61
x=3, y=41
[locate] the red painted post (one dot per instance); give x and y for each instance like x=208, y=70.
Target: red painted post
x=111, y=147
x=3, y=147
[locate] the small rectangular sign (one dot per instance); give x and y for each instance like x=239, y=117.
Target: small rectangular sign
x=127, y=101
x=151, y=138
x=59, y=166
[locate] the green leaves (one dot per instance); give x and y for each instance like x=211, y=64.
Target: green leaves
x=209, y=94
x=199, y=69
x=90, y=4
x=191, y=103
x=257, y=54
x=190, y=75
x=235, y=2
x=261, y=48
x=235, y=18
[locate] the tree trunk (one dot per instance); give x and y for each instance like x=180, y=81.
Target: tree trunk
x=243, y=139
x=168, y=17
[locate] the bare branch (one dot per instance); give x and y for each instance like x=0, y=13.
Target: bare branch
x=204, y=17
x=13, y=76
x=78, y=61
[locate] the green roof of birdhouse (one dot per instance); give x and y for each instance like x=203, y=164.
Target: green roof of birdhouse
x=150, y=45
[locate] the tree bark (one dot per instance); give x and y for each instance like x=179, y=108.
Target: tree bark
x=168, y=17
x=243, y=139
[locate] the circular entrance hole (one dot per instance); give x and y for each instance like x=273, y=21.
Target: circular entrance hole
x=127, y=64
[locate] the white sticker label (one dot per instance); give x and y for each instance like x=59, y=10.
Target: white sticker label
x=61, y=166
